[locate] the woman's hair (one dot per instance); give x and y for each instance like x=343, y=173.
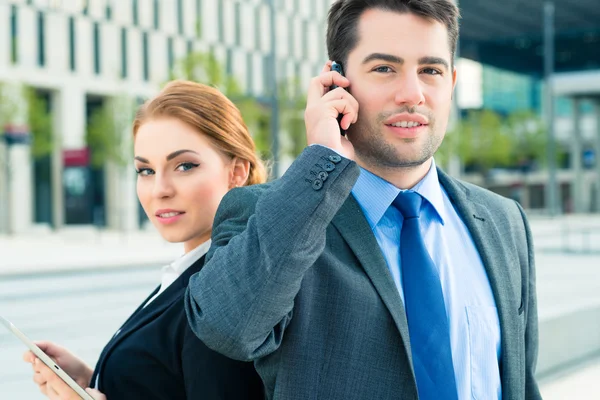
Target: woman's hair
x=212, y=114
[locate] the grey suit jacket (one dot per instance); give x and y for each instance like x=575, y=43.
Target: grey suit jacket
x=296, y=282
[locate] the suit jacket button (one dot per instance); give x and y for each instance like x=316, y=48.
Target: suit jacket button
x=335, y=158
x=323, y=176
x=317, y=184
x=329, y=167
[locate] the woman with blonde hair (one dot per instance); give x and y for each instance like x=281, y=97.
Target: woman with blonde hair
x=191, y=146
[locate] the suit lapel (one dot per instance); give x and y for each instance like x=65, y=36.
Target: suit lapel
x=488, y=241
x=354, y=228
x=142, y=316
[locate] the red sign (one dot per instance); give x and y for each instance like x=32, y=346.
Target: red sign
x=76, y=158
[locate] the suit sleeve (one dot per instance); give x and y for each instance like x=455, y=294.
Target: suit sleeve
x=242, y=300
x=210, y=375
x=532, y=391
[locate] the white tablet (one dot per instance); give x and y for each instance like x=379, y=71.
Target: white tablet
x=45, y=359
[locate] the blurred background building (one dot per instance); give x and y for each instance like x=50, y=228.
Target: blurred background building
x=526, y=124
x=73, y=72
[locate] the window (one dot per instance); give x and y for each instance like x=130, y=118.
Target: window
x=305, y=39
x=258, y=26
x=108, y=10
x=198, y=19
x=180, y=25
x=41, y=22
x=72, y=62
x=229, y=62
x=170, y=54
x=96, y=48
x=249, y=73
x=238, y=24
x=220, y=21
x=124, y=71
x=146, y=66
x=291, y=46
x=156, y=14
x=135, y=12
x=14, y=34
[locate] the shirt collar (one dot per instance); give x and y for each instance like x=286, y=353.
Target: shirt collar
x=186, y=260
x=375, y=195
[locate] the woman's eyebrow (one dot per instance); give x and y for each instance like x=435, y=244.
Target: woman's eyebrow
x=179, y=152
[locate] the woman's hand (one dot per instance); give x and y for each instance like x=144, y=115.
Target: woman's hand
x=56, y=389
x=73, y=366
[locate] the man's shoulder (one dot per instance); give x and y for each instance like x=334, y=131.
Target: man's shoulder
x=243, y=198
x=251, y=192
x=478, y=194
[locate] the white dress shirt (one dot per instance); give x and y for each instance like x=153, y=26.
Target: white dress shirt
x=172, y=271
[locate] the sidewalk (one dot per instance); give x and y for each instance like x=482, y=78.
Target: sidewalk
x=77, y=248
x=83, y=248
x=579, y=384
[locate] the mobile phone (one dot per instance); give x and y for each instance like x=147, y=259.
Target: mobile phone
x=335, y=66
x=46, y=359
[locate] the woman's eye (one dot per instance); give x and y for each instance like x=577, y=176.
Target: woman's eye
x=186, y=166
x=144, y=171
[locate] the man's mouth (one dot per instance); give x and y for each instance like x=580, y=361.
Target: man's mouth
x=406, y=124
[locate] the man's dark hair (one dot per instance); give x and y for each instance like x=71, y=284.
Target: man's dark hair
x=342, y=22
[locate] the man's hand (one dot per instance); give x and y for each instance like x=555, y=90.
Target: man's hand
x=323, y=107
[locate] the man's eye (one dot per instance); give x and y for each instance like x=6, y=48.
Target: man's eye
x=383, y=69
x=432, y=71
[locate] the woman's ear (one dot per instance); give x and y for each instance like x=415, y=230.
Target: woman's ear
x=240, y=169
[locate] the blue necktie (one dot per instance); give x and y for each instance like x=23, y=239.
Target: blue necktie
x=425, y=310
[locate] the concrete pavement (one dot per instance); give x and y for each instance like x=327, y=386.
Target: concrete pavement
x=86, y=248
x=568, y=277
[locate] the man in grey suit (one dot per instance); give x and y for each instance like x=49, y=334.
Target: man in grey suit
x=365, y=272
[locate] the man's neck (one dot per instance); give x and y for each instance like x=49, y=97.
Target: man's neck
x=401, y=177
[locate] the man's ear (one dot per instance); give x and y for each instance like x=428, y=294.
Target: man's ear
x=453, y=81
x=238, y=175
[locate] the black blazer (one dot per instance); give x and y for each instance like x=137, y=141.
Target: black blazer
x=157, y=356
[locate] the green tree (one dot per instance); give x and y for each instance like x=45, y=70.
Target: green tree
x=205, y=68
x=529, y=138
x=480, y=140
x=106, y=130
x=292, y=102
x=8, y=108
x=39, y=120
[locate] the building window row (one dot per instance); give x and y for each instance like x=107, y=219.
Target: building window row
x=294, y=28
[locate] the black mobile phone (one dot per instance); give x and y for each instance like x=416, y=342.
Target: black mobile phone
x=335, y=66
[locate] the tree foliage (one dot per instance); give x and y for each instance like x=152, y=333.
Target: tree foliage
x=106, y=130
x=484, y=140
x=205, y=68
x=39, y=119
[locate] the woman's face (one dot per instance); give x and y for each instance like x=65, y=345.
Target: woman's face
x=182, y=178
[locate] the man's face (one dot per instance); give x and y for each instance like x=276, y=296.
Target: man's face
x=400, y=74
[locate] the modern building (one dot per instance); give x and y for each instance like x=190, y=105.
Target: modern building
x=78, y=54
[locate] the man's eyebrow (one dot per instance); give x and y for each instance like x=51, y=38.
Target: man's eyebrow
x=434, y=60
x=383, y=57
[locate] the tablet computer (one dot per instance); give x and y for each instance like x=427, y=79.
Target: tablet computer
x=46, y=359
